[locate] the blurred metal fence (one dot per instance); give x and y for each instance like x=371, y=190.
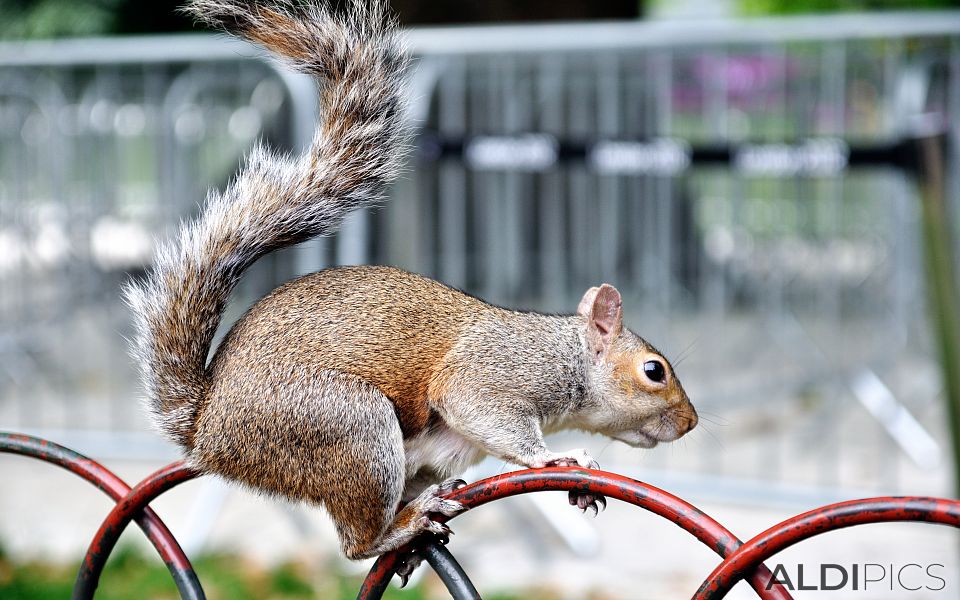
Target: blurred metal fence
x=743, y=184
x=105, y=144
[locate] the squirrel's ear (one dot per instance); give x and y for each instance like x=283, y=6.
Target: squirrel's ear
x=605, y=317
x=586, y=303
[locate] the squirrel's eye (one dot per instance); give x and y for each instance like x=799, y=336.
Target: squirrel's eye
x=654, y=370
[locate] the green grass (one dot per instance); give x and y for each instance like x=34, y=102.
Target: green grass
x=130, y=575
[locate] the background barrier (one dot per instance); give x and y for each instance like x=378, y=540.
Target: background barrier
x=740, y=560
x=745, y=185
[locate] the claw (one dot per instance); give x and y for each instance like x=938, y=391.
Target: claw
x=450, y=485
x=406, y=568
x=446, y=507
x=439, y=529
x=444, y=533
x=583, y=501
x=444, y=536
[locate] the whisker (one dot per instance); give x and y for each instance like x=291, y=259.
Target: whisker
x=684, y=353
x=714, y=436
x=604, y=449
x=716, y=418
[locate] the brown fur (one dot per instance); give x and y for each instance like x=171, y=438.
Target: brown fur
x=334, y=320
x=276, y=35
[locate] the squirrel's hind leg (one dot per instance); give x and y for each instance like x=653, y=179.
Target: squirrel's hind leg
x=328, y=438
x=366, y=470
x=414, y=518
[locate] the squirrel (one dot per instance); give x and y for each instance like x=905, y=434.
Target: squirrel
x=361, y=389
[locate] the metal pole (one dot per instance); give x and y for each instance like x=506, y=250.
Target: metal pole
x=941, y=281
x=450, y=572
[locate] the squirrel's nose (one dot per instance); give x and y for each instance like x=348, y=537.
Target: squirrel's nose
x=688, y=419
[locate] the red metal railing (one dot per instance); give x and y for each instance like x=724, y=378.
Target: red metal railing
x=740, y=560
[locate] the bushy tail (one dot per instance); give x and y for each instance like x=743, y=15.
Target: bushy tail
x=275, y=201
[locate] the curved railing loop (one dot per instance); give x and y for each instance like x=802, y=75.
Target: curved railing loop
x=821, y=520
x=166, y=545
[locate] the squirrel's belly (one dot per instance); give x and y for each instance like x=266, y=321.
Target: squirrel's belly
x=440, y=450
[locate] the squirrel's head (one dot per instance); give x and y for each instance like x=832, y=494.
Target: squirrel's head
x=641, y=401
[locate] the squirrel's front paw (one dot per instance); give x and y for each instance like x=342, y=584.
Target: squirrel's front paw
x=585, y=501
x=571, y=458
x=579, y=457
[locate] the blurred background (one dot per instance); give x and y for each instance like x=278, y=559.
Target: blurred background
x=772, y=185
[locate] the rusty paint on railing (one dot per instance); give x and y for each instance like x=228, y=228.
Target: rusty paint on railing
x=740, y=560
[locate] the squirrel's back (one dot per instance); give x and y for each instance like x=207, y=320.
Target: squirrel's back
x=385, y=325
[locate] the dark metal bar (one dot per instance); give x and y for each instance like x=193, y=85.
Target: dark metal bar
x=943, y=290
x=686, y=516
x=131, y=505
x=105, y=480
x=450, y=572
x=432, y=146
x=821, y=520
x=55, y=454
